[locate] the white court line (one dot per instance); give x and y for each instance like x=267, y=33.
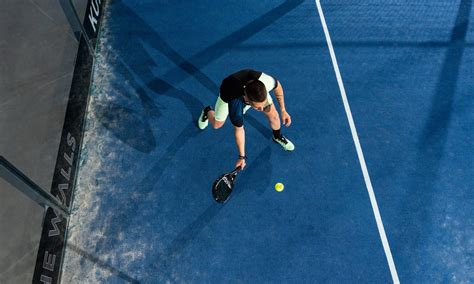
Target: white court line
x=355, y=137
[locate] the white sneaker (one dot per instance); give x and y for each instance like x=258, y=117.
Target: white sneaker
x=285, y=143
x=203, y=122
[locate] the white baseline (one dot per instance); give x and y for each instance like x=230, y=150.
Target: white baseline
x=355, y=137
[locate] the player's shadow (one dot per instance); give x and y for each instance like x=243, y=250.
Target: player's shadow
x=432, y=143
x=136, y=72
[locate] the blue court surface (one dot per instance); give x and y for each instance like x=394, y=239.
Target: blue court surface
x=143, y=210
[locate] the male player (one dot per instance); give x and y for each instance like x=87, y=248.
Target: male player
x=241, y=91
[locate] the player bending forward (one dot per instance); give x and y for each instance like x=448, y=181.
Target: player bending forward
x=241, y=91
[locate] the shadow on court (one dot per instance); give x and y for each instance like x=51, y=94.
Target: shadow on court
x=162, y=265
x=432, y=142
x=137, y=85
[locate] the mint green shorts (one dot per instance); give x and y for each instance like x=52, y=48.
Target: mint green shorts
x=222, y=108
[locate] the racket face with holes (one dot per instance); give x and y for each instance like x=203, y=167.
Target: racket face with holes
x=222, y=187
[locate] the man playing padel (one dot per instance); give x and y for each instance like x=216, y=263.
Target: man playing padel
x=241, y=91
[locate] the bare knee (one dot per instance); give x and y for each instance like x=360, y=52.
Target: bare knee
x=218, y=124
x=273, y=118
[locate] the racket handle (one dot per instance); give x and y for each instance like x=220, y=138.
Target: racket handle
x=236, y=171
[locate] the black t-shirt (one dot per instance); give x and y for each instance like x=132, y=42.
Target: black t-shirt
x=232, y=87
x=232, y=91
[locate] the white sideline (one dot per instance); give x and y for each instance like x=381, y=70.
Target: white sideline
x=355, y=137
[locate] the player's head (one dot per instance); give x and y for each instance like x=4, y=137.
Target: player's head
x=256, y=94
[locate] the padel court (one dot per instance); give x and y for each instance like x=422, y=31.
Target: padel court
x=379, y=188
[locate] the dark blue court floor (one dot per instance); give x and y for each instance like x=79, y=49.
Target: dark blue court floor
x=143, y=209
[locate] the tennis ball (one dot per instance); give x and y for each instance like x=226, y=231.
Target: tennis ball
x=279, y=187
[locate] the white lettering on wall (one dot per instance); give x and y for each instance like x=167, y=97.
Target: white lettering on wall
x=94, y=13
x=49, y=260
x=54, y=222
x=46, y=279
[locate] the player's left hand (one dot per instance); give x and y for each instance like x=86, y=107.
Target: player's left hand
x=286, y=118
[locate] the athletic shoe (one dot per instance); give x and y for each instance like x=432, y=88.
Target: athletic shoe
x=203, y=121
x=285, y=143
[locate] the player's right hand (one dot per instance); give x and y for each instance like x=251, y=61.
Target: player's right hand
x=240, y=163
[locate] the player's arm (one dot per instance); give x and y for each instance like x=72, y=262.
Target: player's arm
x=272, y=84
x=240, y=141
x=278, y=91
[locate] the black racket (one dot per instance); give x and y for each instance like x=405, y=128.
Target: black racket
x=222, y=187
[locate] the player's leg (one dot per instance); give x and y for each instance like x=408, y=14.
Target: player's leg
x=274, y=119
x=216, y=117
x=216, y=124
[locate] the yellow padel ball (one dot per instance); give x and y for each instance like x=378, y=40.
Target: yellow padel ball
x=279, y=187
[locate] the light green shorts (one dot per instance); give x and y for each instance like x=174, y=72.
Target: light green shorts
x=222, y=108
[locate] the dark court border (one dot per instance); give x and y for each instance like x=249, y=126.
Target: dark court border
x=50, y=255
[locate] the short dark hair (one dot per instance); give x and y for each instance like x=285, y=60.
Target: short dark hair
x=256, y=91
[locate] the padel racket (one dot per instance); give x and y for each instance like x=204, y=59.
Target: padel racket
x=222, y=187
